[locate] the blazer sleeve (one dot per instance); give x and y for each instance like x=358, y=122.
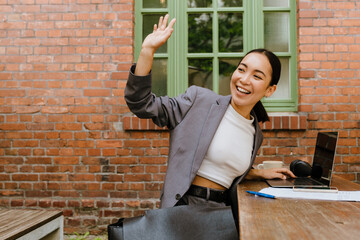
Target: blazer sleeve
x=164, y=111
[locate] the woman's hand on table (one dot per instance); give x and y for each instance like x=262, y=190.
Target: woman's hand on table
x=272, y=173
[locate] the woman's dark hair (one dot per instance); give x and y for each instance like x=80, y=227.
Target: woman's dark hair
x=274, y=61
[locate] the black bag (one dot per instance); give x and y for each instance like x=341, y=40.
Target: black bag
x=177, y=223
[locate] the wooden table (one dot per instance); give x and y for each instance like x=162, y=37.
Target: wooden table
x=26, y=224
x=264, y=218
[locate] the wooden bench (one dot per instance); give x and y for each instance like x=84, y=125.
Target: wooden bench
x=24, y=224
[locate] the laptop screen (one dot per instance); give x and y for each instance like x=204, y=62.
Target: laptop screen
x=324, y=156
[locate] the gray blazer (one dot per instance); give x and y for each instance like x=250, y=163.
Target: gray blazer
x=192, y=119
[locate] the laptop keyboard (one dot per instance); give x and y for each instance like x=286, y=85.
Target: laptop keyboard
x=305, y=181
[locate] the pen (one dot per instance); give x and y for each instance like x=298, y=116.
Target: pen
x=261, y=194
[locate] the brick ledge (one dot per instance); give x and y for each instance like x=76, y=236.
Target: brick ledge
x=278, y=121
x=133, y=123
x=285, y=121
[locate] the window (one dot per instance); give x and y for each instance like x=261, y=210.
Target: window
x=211, y=36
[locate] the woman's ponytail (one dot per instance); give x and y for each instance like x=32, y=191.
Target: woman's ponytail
x=260, y=112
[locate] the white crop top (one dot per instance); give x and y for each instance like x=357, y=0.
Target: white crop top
x=229, y=153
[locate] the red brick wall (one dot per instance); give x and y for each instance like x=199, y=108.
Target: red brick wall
x=63, y=66
x=329, y=77
x=67, y=140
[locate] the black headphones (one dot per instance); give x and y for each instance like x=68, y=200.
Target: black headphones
x=300, y=168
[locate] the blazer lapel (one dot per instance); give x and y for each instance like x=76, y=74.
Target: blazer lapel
x=210, y=126
x=258, y=139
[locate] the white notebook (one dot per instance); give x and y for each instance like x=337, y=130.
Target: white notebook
x=353, y=196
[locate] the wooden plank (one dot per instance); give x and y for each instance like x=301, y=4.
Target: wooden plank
x=263, y=218
x=17, y=222
x=52, y=230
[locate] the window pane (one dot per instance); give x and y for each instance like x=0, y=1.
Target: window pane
x=230, y=3
x=199, y=3
x=283, y=87
x=200, y=33
x=276, y=3
x=231, y=32
x=154, y=3
x=148, y=26
x=226, y=68
x=276, y=31
x=200, y=73
x=159, y=77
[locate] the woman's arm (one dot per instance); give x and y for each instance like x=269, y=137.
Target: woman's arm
x=256, y=174
x=163, y=110
x=152, y=42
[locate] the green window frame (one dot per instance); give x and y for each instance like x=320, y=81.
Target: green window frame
x=171, y=71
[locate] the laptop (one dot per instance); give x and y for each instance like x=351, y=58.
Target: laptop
x=322, y=167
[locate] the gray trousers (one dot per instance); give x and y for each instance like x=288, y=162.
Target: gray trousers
x=192, y=200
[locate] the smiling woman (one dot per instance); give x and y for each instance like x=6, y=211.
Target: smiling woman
x=207, y=130
x=256, y=76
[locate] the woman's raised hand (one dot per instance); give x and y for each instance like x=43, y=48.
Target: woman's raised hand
x=151, y=43
x=160, y=34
